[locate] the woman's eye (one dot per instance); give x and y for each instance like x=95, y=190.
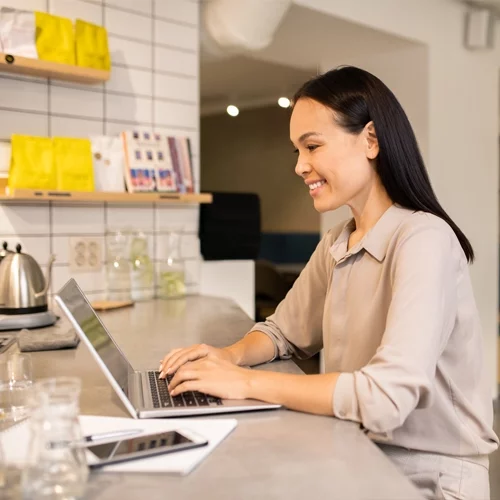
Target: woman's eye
x=311, y=147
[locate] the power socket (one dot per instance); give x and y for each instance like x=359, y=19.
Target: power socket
x=85, y=254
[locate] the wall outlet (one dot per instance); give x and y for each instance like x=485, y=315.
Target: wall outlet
x=85, y=253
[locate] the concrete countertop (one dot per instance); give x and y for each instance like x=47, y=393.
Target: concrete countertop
x=273, y=454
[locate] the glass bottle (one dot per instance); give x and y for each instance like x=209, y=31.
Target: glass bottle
x=118, y=266
x=57, y=467
x=142, y=268
x=172, y=282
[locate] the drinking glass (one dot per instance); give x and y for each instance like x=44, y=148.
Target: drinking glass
x=16, y=380
x=57, y=467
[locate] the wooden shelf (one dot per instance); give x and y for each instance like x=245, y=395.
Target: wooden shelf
x=28, y=195
x=48, y=69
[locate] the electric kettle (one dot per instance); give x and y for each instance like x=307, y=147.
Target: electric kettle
x=23, y=287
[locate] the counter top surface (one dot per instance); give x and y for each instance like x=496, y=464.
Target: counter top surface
x=272, y=454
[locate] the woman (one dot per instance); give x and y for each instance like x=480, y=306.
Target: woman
x=387, y=295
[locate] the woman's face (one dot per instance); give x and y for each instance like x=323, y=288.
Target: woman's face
x=335, y=165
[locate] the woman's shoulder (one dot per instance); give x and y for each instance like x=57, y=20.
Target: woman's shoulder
x=418, y=222
x=430, y=231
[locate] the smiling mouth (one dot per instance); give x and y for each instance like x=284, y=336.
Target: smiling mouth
x=316, y=185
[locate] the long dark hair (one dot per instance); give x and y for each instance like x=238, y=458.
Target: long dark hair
x=358, y=97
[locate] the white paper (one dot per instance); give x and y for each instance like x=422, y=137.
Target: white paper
x=15, y=441
x=108, y=160
x=17, y=32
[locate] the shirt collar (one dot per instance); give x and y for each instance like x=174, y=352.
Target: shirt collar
x=376, y=240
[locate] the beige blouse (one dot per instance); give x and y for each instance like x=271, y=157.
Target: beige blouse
x=396, y=317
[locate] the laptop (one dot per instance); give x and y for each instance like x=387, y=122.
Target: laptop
x=143, y=393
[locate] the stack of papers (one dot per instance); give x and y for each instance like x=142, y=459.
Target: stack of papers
x=15, y=441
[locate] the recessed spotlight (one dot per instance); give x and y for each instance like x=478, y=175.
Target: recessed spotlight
x=284, y=102
x=232, y=110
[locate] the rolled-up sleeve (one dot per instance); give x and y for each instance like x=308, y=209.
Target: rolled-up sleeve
x=296, y=325
x=422, y=312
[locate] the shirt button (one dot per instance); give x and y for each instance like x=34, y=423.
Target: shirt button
x=341, y=413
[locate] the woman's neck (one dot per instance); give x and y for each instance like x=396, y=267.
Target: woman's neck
x=368, y=211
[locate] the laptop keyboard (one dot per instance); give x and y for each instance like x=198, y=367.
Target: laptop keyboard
x=163, y=399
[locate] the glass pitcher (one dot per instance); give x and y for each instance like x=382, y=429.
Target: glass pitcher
x=142, y=276
x=171, y=277
x=118, y=267
x=57, y=467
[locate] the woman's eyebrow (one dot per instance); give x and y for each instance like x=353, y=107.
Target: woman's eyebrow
x=306, y=135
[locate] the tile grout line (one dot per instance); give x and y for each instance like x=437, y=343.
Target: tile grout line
x=104, y=89
x=153, y=120
x=96, y=90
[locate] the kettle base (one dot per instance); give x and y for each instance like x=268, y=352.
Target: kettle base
x=29, y=321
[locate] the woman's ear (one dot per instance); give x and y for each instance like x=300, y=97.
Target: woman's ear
x=372, y=147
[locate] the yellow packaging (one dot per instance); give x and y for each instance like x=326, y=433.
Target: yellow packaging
x=92, y=49
x=73, y=161
x=55, y=38
x=31, y=163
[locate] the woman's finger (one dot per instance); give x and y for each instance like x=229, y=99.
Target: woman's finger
x=173, y=356
x=189, y=385
x=185, y=373
x=168, y=356
x=184, y=357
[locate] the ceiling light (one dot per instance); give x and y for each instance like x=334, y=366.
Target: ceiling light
x=284, y=102
x=232, y=110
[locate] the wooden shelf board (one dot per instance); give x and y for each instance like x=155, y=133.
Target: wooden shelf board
x=27, y=195
x=48, y=69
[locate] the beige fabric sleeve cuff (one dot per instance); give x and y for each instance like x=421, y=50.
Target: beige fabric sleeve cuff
x=345, y=401
x=281, y=349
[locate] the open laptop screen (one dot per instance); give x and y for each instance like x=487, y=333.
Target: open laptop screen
x=82, y=312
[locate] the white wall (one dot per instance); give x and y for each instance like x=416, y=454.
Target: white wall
x=462, y=127
x=154, y=84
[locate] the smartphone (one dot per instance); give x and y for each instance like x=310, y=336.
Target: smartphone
x=144, y=446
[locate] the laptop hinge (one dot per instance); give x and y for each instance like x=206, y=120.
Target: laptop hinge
x=136, y=396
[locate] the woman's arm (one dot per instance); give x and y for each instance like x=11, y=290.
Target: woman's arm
x=253, y=349
x=223, y=379
x=307, y=393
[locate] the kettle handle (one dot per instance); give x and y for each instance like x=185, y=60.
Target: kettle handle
x=47, y=278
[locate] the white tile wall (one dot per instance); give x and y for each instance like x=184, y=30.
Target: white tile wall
x=127, y=108
x=24, y=95
x=62, y=126
x=89, y=12
x=174, y=113
x=186, y=12
x=70, y=219
x=175, y=61
x=131, y=81
x=24, y=220
x=176, y=35
x=144, y=7
x=128, y=25
x=22, y=123
x=25, y=4
x=76, y=102
x=169, y=219
x=154, y=83
x=139, y=216
x=130, y=53
x=176, y=87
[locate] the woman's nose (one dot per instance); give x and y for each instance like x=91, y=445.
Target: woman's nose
x=302, y=168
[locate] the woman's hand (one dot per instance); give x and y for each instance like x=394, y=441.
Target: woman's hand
x=178, y=357
x=214, y=376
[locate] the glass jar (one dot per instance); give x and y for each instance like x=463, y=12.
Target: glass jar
x=118, y=267
x=142, y=276
x=171, y=276
x=57, y=467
